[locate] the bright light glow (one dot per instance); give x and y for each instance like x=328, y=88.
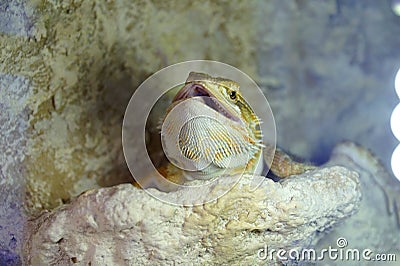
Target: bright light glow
x=395, y=122
x=396, y=162
x=397, y=79
x=396, y=7
x=395, y=118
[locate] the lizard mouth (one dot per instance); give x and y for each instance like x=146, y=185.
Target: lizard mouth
x=197, y=90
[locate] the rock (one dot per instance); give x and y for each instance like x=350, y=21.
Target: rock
x=125, y=225
x=13, y=135
x=323, y=69
x=83, y=69
x=376, y=225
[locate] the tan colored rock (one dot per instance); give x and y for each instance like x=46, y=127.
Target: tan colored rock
x=376, y=225
x=123, y=225
x=84, y=59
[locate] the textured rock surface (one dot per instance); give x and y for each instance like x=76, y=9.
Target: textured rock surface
x=328, y=70
x=82, y=60
x=376, y=225
x=125, y=225
x=85, y=58
x=13, y=135
x=325, y=52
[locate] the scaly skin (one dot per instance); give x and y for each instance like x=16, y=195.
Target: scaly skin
x=233, y=135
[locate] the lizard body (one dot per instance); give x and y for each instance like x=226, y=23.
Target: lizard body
x=216, y=131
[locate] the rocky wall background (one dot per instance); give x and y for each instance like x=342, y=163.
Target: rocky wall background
x=328, y=68
x=68, y=69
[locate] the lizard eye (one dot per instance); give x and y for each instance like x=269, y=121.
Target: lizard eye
x=232, y=95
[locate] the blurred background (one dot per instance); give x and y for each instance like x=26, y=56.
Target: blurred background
x=69, y=68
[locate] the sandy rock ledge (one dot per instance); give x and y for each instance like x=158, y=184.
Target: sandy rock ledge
x=123, y=225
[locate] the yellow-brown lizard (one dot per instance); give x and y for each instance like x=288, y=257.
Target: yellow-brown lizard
x=210, y=129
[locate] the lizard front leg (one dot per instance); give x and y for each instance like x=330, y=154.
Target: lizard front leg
x=283, y=165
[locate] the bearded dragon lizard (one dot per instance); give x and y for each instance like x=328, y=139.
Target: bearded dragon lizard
x=212, y=129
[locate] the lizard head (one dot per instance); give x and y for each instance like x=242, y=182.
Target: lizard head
x=222, y=95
